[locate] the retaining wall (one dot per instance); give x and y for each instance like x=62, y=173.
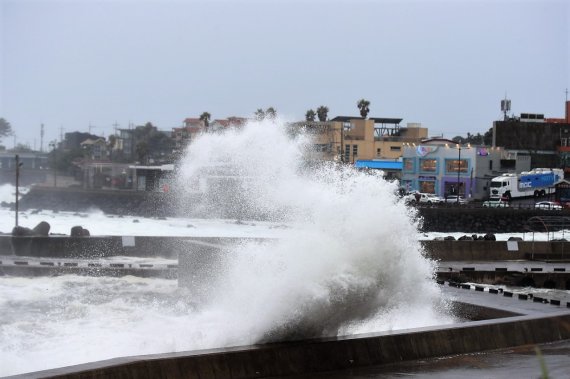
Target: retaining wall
x=322, y=355
x=171, y=247
x=496, y=250
x=467, y=219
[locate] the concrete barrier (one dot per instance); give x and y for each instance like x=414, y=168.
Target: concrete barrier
x=327, y=354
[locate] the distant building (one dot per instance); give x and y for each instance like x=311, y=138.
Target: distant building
x=194, y=126
x=442, y=167
x=34, y=169
x=365, y=143
x=545, y=140
x=126, y=143
x=95, y=149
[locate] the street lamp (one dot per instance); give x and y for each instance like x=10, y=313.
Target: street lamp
x=458, y=171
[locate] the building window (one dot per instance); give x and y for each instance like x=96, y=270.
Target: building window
x=427, y=187
x=347, y=153
x=564, y=142
x=407, y=185
x=408, y=164
x=354, y=150
x=452, y=165
x=429, y=165
x=378, y=152
x=395, y=148
x=490, y=165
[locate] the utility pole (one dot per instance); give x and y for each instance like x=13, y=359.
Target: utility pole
x=18, y=165
x=54, y=145
x=116, y=127
x=42, y=138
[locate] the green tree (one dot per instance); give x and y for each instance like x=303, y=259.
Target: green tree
x=363, y=105
x=205, y=118
x=5, y=128
x=322, y=113
x=488, y=137
x=310, y=115
x=141, y=150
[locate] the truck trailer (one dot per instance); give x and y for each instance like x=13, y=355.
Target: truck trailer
x=536, y=182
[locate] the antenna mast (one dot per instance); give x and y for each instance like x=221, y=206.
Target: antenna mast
x=505, y=107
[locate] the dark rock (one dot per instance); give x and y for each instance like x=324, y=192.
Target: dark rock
x=77, y=231
x=449, y=238
x=490, y=237
x=20, y=231
x=136, y=221
x=515, y=239
x=465, y=238
x=42, y=229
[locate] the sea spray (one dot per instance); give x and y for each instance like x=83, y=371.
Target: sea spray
x=351, y=262
x=348, y=261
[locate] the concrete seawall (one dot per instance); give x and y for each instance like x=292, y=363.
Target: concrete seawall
x=327, y=354
x=171, y=247
x=468, y=219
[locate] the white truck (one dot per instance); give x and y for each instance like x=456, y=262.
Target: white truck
x=536, y=182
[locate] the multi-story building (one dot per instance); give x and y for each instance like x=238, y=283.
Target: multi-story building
x=545, y=140
x=183, y=135
x=374, y=143
x=126, y=140
x=443, y=167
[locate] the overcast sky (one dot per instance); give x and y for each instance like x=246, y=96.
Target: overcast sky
x=445, y=64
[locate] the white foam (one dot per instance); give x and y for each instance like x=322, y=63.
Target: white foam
x=349, y=261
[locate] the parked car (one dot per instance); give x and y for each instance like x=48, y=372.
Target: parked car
x=495, y=204
x=424, y=198
x=452, y=199
x=548, y=205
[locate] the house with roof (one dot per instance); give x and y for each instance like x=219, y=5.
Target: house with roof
x=95, y=149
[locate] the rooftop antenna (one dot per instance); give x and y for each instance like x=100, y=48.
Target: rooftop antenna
x=61, y=129
x=505, y=107
x=566, y=106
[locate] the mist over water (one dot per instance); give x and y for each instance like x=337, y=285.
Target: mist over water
x=346, y=261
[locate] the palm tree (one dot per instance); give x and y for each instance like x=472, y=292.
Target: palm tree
x=322, y=112
x=363, y=106
x=205, y=118
x=271, y=113
x=310, y=115
x=259, y=114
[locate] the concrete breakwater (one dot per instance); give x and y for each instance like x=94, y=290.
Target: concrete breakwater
x=172, y=247
x=342, y=353
x=489, y=262
x=153, y=204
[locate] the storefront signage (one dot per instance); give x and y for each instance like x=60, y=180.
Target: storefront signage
x=422, y=151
